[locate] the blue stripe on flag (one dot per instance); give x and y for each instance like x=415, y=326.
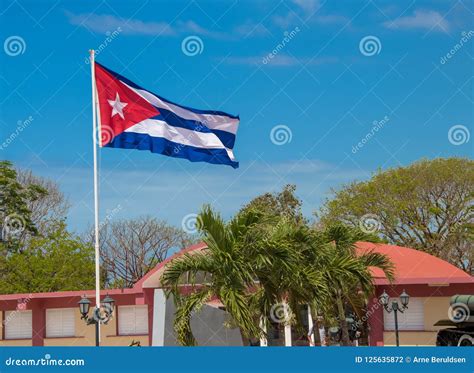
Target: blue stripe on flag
x=227, y=138
x=131, y=140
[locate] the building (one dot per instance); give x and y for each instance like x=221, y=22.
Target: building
x=430, y=281
x=143, y=314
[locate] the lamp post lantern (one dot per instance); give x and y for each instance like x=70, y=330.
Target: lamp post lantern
x=100, y=315
x=395, y=307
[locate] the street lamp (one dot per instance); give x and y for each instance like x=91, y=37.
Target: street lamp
x=108, y=303
x=84, y=305
x=101, y=315
x=395, y=307
x=404, y=298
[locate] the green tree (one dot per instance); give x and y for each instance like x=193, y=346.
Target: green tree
x=427, y=206
x=283, y=204
x=286, y=278
x=15, y=215
x=50, y=207
x=259, y=267
x=252, y=264
x=346, y=271
x=56, y=262
x=221, y=271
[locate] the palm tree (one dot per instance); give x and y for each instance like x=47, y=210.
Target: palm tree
x=251, y=263
x=224, y=273
x=286, y=279
x=347, y=272
x=254, y=262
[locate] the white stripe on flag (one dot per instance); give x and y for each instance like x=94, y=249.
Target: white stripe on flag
x=158, y=128
x=217, y=122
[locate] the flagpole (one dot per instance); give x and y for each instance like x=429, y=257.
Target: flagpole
x=96, y=199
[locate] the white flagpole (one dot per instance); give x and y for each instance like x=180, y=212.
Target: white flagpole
x=96, y=193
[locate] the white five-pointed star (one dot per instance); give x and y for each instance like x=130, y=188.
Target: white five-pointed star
x=117, y=106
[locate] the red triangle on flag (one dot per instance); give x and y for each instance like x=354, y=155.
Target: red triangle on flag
x=119, y=106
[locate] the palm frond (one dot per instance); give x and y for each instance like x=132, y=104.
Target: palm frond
x=187, y=306
x=236, y=303
x=378, y=260
x=188, y=264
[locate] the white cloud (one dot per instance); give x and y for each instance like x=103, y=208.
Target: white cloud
x=105, y=22
x=308, y=11
x=251, y=29
x=285, y=21
x=307, y=6
x=420, y=19
x=193, y=28
x=281, y=60
x=301, y=12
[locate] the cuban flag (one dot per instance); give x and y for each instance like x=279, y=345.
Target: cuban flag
x=131, y=117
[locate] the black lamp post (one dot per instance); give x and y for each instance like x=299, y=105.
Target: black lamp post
x=100, y=315
x=395, y=307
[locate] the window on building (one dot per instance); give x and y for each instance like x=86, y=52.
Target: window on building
x=132, y=320
x=60, y=322
x=411, y=319
x=18, y=324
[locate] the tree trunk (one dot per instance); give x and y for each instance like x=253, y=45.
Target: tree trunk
x=245, y=340
x=345, y=340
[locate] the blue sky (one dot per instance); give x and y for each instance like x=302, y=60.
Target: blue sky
x=322, y=84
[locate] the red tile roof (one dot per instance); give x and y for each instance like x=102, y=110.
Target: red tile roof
x=415, y=267
x=160, y=266
x=411, y=267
